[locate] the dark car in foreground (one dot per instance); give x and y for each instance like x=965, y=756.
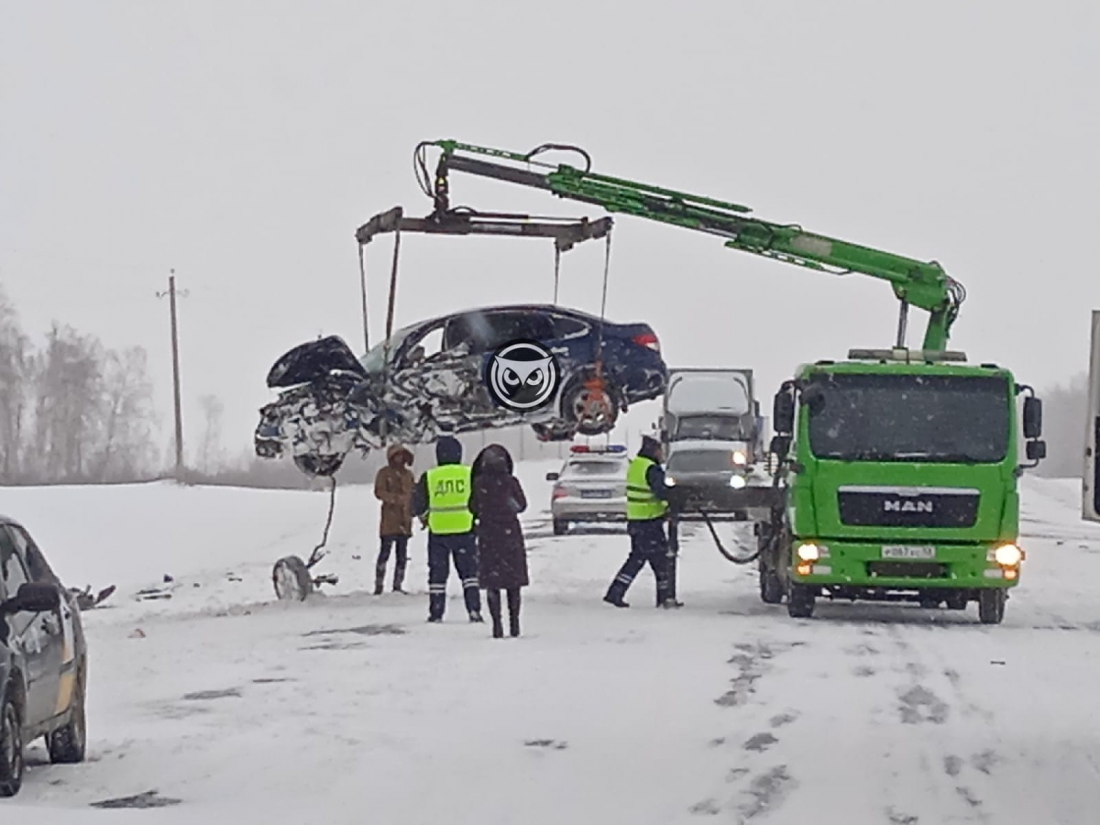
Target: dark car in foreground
x=43, y=659
x=430, y=379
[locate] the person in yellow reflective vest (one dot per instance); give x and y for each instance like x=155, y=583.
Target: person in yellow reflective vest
x=647, y=515
x=442, y=499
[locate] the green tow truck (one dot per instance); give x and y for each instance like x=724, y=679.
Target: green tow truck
x=898, y=469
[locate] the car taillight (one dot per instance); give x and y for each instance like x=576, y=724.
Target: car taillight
x=649, y=340
x=560, y=492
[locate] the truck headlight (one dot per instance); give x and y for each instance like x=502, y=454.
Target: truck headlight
x=809, y=552
x=737, y=482
x=670, y=481
x=1008, y=555
x=739, y=458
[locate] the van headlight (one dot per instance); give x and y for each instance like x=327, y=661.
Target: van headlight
x=737, y=482
x=739, y=458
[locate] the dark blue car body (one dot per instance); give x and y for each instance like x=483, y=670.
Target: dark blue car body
x=431, y=379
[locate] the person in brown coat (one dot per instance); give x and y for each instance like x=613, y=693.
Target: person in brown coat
x=393, y=486
x=496, y=502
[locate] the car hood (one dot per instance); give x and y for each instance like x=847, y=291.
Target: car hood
x=312, y=360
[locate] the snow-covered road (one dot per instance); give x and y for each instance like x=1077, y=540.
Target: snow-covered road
x=350, y=708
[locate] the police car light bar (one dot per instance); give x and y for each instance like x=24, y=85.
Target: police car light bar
x=610, y=448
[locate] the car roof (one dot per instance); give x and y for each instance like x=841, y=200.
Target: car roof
x=560, y=310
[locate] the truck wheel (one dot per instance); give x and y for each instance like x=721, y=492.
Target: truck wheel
x=800, y=602
x=991, y=605
x=68, y=745
x=771, y=588
x=957, y=600
x=291, y=579
x=561, y=527
x=11, y=748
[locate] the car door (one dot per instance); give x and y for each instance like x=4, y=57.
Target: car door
x=476, y=335
x=58, y=626
x=30, y=633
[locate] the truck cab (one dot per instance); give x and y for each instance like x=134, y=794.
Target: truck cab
x=899, y=470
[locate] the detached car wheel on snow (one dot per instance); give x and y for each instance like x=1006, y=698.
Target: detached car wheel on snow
x=68, y=745
x=11, y=748
x=991, y=605
x=291, y=579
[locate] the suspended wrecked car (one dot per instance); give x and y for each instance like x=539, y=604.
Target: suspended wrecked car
x=434, y=377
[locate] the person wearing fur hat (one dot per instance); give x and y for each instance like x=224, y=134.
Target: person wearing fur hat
x=393, y=486
x=496, y=503
x=646, y=513
x=442, y=499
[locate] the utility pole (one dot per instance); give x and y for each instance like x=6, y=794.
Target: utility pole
x=171, y=293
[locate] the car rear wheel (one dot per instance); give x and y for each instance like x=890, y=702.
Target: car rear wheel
x=68, y=745
x=11, y=748
x=592, y=408
x=561, y=527
x=991, y=605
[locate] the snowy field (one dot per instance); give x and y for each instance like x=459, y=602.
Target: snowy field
x=351, y=709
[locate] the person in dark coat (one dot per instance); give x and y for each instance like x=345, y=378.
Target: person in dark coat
x=496, y=503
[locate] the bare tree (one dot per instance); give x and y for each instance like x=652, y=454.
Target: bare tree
x=15, y=371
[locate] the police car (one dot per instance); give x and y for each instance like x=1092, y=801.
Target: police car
x=591, y=487
x=43, y=659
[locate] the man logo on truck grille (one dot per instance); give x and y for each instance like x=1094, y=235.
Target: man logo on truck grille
x=897, y=506
x=522, y=376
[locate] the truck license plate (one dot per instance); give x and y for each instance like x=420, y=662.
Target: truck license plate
x=908, y=551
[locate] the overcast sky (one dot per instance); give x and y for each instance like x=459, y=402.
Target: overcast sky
x=243, y=143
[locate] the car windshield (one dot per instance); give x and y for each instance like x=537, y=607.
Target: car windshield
x=374, y=360
x=595, y=468
x=713, y=427
x=700, y=461
x=942, y=418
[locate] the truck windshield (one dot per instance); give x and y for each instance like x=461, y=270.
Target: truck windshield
x=711, y=427
x=700, y=461
x=963, y=419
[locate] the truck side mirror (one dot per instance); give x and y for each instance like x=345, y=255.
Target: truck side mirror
x=1036, y=451
x=1033, y=417
x=780, y=445
x=783, y=412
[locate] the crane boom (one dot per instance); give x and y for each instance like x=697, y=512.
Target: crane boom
x=915, y=283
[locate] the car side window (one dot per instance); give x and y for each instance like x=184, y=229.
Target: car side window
x=12, y=573
x=428, y=346
x=37, y=567
x=566, y=327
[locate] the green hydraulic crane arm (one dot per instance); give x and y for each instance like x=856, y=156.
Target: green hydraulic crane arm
x=922, y=284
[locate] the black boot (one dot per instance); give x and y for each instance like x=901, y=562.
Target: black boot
x=399, y=578
x=513, y=612
x=493, y=598
x=379, y=578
